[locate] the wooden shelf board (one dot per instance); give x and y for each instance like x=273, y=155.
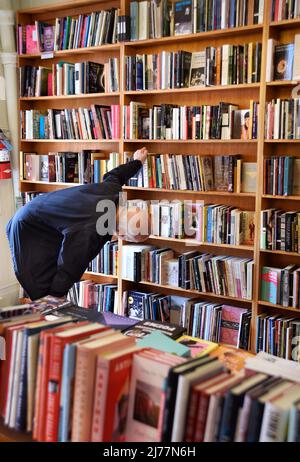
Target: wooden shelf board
x=286, y=198
x=188, y=291
x=69, y=141
x=187, y=191
x=92, y=274
x=52, y=183
x=282, y=141
x=75, y=51
x=193, y=141
x=8, y=435
x=194, y=243
x=55, y=6
x=243, y=30
x=281, y=252
x=67, y=97
x=273, y=305
x=200, y=89
x=286, y=23
x=282, y=83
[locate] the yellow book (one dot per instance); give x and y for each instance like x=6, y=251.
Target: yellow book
x=197, y=346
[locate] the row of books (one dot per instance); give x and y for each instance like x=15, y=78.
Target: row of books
x=219, y=224
x=281, y=285
x=281, y=176
x=225, y=65
x=280, y=230
x=275, y=334
x=169, y=121
x=99, y=297
x=201, y=319
x=196, y=173
x=151, y=20
x=107, y=260
x=290, y=9
x=283, y=61
x=220, y=275
x=86, y=30
x=67, y=167
x=69, y=79
x=83, y=123
x=283, y=119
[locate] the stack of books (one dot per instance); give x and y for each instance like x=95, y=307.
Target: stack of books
x=285, y=10
x=283, y=119
x=86, y=30
x=281, y=285
x=225, y=65
x=281, y=176
x=196, y=173
x=151, y=20
x=280, y=230
x=172, y=122
x=63, y=79
x=67, y=167
x=110, y=388
x=206, y=273
x=82, y=123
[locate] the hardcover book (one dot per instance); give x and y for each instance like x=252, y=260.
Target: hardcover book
x=283, y=62
x=230, y=324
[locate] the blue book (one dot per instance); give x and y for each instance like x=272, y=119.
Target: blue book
x=97, y=171
x=42, y=127
x=86, y=37
x=162, y=342
x=232, y=12
x=209, y=224
x=68, y=375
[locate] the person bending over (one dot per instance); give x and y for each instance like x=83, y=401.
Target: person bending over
x=54, y=237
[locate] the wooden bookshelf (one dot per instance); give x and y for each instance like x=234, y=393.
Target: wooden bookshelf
x=252, y=150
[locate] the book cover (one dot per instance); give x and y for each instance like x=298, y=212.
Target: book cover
x=283, y=62
x=160, y=341
x=270, y=279
x=198, y=347
x=183, y=17
x=144, y=328
x=230, y=324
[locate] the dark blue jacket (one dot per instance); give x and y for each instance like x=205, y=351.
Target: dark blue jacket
x=53, y=238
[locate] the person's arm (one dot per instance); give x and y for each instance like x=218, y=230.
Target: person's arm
x=77, y=250
x=123, y=173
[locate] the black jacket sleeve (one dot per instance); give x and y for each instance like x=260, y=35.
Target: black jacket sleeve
x=123, y=173
x=78, y=249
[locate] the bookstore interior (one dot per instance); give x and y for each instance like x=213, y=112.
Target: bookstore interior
x=181, y=119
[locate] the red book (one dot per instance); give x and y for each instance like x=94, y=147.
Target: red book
x=96, y=122
x=230, y=324
x=31, y=40
x=57, y=344
x=42, y=375
x=83, y=32
x=111, y=395
x=50, y=86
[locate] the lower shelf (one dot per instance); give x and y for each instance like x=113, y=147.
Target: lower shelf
x=8, y=435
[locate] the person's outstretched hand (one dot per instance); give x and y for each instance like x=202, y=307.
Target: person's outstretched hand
x=141, y=155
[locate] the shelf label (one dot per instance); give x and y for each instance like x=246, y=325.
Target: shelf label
x=47, y=55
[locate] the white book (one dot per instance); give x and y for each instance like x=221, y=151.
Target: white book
x=225, y=64
x=143, y=20
x=276, y=415
x=11, y=376
x=296, y=66
x=270, y=59
x=16, y=381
